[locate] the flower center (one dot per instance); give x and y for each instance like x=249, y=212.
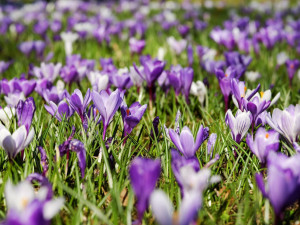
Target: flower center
x=24, y=202
x=267, y=135
x=292, y=66
x=226, y=75
x=262, y=94
x=127, y=111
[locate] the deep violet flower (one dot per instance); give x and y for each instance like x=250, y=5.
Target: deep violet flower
x=190, y=54
x=59, y=111
x=76, y=146
x=121, y=79
x=16, y=142
x=144, y=174
x=263, y=143
x=238, y=124
x=26, y=206
x=25, y=111
x=282, y=188
x=224, y=79
x=152, y=69
x=185, y=142
x=131, y=116
x=107, y=105
x=78, y=103
x=286, y=122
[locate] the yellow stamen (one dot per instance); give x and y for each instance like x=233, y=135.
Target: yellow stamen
x=267, y=135
x=262, y=94
x=245, y=88
x=226, y=75
x=24, y=202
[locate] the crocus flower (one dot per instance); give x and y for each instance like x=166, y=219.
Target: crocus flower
x=252, y=75
x=195, y=184
x=224, y=79
x=6, y=114
x=47, y=71
x=152, y=69
x=12, y=99
x=121, y=79
x=258, y=103
x=131, y=116
x=136, y=79
x=78, y=103
x=76, y=146
x=263, y=143
x=282, y=188
x=183, y=30
x=107, y=105
x=185, y=142
x=16, y=142
x=281, y=58
x=199, y=90
x=59, y=111
x=286, y=122
x=25, y=206
x=98, y=80
x=292, y=66
x=25, y=112
x=190, y=54
x=238, y=124
x=144, y=174
x=69, y=38
x=136, y=46
x=177, y=46
x=18, y=85
x=211, y=144
x=4, y=66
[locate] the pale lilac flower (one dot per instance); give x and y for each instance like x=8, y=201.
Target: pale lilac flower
x=6, y=114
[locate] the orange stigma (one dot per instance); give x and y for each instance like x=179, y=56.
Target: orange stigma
x=226, y=75
x=267, y=135
x=245, y=88
x=292, y=66
x=127, y=111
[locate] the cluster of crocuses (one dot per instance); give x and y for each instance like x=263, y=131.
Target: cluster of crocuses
x=192, y=180
x=54, y=81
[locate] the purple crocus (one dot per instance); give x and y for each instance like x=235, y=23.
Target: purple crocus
x=224, y=79
x=78, y=103
x=211, y=144
x=136, y=46
x=283, y=184
x=121, y=79
x=144, y=174
x=152, y=69
x=263, y=143
x=185, y=142
x=107, y=105
x=59, y=111
x=177, y=45
x=47, y=71
x=25, y=112
x=18, y=85
x=238, y=124
x=292, y=66
x=4, y=66
x=190, y=55
x=131, y=116
x=76, y=146
x=286, y=122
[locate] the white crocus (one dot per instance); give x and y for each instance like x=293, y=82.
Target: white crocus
x=252, y=75
x=12, y=99
x=99, y=81
x=14, y=143
x=198, y=89
x=135, y=77
x=161, y=53
x=69, y=38
x=6, y=114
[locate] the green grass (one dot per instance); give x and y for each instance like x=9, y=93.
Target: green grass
x=104, y=198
